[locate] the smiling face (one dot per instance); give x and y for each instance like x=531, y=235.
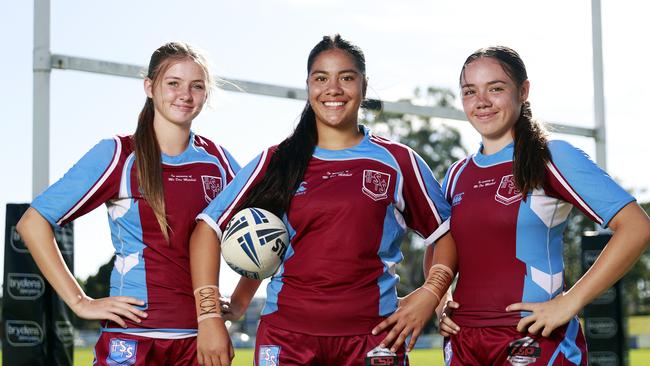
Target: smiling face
x=179, y=93
x=336, y=88
x=492, y=101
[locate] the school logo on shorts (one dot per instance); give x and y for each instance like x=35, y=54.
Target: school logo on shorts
x=507, y=193
x=269, y=356
x=122, y=352
x=379, y=356
x=211, y=187
x=375, y=184
x=523, y=351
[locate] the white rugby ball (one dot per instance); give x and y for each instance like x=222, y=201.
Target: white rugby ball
x=254, y=243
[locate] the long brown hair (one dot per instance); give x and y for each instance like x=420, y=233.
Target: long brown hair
x=147, y=151
x=289, y=163
x=531, y=150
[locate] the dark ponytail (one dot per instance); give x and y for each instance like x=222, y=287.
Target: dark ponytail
x=531, y=152
x=286, y=168
x=291, y=158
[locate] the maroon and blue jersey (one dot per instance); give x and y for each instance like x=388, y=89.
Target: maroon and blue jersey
x=510, y=249
x=346, y=222
x=147, y=267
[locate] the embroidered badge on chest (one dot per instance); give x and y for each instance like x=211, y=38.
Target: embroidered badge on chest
x=122, y=352
x=269, y=356
x=211, y=187
x=381, y=357
x=507, y=192
x=375, y=184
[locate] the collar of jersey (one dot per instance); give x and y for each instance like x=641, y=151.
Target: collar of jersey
x=182, y=157
x=329, y=154
x=501, y=156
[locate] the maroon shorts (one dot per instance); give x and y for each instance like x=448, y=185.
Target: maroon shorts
x=279, y=347
x=119, y=349
x=507, y=346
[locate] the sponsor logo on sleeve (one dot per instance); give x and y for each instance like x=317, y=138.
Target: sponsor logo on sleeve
x=211, y=187
x=457, y=198
x=23, y=333
x=302, y=189
x=122, y=352
x=25, y=286
x=269, y=356
x=507, y=193
x=375, y=184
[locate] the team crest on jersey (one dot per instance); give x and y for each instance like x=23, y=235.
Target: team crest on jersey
x=122, y=352
x=211, y=187
x=507, y=193
x=375, y=184
x=523, y=351
x=269, y=356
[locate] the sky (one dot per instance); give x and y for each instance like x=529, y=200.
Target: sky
x=408, y=44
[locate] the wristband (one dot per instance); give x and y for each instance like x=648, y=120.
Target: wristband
x=206, y=316
x=438, y=280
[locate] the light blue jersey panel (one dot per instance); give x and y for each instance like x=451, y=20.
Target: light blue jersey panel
x=434, y=190
x=226, y=199
x=539, y=247
x=62, y=196
x=231, y=160
x=128, y=273
x=275, y=286
x=390, y=254
x=593, y=185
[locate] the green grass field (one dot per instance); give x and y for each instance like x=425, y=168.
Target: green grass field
x=244, y=357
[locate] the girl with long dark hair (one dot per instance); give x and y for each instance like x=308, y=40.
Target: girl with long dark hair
x=510, y=204
x=347, y=197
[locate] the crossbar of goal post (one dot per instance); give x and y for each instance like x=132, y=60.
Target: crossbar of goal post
x=44, y=61
x=251, y=87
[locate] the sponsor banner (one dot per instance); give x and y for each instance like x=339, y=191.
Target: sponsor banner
x=604, y=327
x=37, y=327
x=25, y=286
x=23, y=333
